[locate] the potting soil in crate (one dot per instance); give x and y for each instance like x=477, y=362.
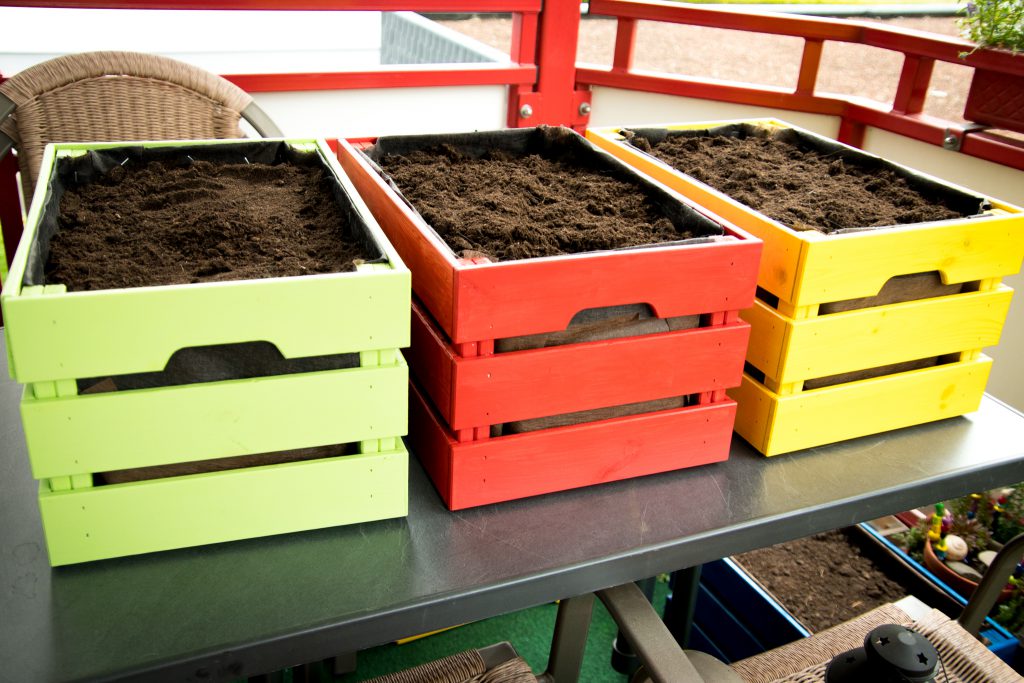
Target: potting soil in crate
x=573, y=322
x=878, y=288
x=208, y=334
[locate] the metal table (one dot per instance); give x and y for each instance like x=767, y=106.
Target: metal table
x=222, y=611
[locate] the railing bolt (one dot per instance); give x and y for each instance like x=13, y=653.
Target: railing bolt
x=584, y=108
x=525, y=111
x=951, y=141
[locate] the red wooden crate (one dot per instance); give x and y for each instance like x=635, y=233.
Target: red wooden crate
x=465, y=388
x=474, y=473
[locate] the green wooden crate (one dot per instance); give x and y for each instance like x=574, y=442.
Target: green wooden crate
x=56, y=338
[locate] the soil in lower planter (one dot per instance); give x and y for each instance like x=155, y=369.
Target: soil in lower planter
x=805, y=189
x=161, y=225
x=509, y=207
x=823, y=580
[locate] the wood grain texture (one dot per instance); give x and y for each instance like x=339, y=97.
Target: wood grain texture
x=522, y=465
x=788, y=350
x=814, y=418
x=126, y=429
x=529, y=384
x=542, y=295
x=432, y=361
x=470, y=392
x=141, y=517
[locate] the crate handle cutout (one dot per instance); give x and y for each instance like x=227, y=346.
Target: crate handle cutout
x=217, y=363
x=603, y=323
x=897, y=289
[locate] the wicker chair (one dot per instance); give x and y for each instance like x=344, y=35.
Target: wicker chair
x=964, y=659
x=104, y=96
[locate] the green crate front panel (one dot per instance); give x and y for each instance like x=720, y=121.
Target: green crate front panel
x=83, y=434
x=177, y=512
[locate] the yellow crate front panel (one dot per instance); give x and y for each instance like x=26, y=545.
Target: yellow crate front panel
x=788, y=350
x=776, y=424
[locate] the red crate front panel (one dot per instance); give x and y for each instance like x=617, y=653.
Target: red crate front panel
x=522, y=385
x=541, y=295
x=522, y=465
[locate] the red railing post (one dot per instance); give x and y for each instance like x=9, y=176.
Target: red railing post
x=913, y=84
x=625, y=44
x=809, y=66
x=555, y=99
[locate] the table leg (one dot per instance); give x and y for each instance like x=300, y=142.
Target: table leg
x=680, y=607
x=569, y=640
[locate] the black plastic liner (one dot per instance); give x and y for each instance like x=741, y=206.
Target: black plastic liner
x=199, y=364
x=964, y=203
x=556, y=144
x=77, y=171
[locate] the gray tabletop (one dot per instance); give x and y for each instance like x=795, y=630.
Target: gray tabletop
x=225, y=610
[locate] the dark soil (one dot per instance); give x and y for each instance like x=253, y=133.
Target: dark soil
x=507, y=207
x=823, y=580
x=804, y=189
x=157, y=225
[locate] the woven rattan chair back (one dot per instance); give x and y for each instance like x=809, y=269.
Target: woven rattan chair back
x=104, y=96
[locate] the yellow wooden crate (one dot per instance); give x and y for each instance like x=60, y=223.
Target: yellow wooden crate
x=793, y=340
x=807, y=268
x=775, y=423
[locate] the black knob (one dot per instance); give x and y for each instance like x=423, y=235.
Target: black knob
x=903, y=652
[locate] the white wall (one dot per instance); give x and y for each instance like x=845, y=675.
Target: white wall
x=386, y=111
x=617, y=107
x=219, y=41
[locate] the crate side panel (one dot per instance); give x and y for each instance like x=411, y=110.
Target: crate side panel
x=768, y=333
x=782, y=248
x=94, y=334
x=431, y=362
x=564, y=379
x=859, y=264
x=542, y=295
x=557, y=459
x=823, y=416
x=433, y=275
x=142, y=517
x=430, y=442
x=119, y=430
x=754, y=413
x=872, y=337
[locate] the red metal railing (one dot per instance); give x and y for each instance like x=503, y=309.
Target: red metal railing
x=904, y=115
